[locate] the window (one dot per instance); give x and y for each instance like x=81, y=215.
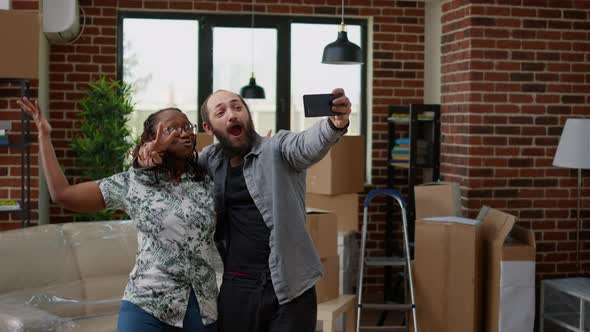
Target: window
x=310, y=76
x=163, y=71
x=232, y=67
x=178, y=59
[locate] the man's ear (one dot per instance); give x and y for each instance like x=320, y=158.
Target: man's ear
x=207, y=128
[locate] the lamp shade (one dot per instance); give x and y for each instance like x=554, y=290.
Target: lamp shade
x=342, y=52
x=252, y=90
x=573, y=150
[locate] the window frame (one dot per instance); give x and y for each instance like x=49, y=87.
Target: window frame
x=229, y=20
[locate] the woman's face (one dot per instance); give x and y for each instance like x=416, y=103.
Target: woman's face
x=173, y=121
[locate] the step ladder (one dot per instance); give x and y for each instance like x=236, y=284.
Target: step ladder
x=403, y=261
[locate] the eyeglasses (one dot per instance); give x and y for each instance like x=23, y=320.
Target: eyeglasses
x=188, y=128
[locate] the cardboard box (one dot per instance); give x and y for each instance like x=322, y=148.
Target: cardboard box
x=328, y=286
x=439, y=199
x=20, y=35
x=510, y=273
x=346, y=208
x=448, y=274
x=203, y=140
x=342, y=171
x=321, y=226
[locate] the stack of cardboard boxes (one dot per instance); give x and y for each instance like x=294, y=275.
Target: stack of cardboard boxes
x=333, y=184
x=471, y=275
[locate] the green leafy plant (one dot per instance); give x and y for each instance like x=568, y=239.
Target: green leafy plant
x=104, y=141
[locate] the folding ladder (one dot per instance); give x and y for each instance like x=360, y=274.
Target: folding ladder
x=405, y=262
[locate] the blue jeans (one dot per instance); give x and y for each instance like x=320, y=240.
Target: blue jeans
x=134, y=319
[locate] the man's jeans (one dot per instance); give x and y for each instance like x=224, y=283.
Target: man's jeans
x=248, y=304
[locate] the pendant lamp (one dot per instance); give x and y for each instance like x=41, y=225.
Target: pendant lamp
x=252, y=90
x=342, y=51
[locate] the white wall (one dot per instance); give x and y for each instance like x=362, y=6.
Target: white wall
x=432, y=46
x=4, y=4
x=43, y=96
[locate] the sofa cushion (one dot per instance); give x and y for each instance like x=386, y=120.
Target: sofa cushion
x=76, y=299
x=102, y=248
x=64, y=300
x=103, y=295
x=24, y=318
x=35, y=257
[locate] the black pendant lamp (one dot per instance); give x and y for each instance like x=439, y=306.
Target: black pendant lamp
x=252, y=90
x=342, y=51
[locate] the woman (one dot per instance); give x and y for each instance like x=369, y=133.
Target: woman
x=172, y=286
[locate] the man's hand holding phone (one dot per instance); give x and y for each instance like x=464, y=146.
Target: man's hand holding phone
x=340, y=105
x=335, y=105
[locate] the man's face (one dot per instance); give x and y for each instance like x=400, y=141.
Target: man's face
x=230, y=122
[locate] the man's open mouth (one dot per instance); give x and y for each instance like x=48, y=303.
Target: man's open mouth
x=235, y=130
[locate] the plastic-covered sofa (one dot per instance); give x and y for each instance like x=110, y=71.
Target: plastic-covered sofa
x=65, y=277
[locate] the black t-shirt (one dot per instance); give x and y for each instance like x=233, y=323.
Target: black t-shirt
x=248, y=234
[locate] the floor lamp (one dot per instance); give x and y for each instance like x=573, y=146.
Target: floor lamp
x=573, y=151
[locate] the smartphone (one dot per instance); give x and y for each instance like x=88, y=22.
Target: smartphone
x=319, y=105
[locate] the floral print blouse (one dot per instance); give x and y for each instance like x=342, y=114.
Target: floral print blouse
x=175, y=224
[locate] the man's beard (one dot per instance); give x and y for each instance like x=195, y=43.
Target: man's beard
x=232, y=150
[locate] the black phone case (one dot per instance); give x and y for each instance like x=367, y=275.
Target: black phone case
x=319, y=105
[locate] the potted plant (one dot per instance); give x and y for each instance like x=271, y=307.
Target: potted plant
x=104, y=141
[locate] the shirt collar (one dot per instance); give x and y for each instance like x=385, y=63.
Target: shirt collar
x=257, y=147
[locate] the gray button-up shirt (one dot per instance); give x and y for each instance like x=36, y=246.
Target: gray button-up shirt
x=274, y=171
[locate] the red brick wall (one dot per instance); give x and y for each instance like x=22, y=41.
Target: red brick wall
x=398, y=60
x=10, y=157
x=513, y=72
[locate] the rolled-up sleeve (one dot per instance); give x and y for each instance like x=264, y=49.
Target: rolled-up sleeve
x=114, y=190
x=306, y=148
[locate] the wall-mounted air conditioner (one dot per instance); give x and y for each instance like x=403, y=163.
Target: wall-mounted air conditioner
x=4, y=4
x=61, y=20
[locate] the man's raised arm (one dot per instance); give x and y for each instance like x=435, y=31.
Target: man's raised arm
x=308, y=147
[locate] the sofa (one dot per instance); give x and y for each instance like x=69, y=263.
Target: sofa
x=66, y=277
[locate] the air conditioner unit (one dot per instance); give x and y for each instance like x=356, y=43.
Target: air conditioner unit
x=5, y=4
x=61, y=20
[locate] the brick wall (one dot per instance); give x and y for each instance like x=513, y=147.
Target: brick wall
x=398, y=54
x=513, y=72
x=10, y=157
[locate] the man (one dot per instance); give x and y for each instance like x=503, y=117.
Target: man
x=270, y=263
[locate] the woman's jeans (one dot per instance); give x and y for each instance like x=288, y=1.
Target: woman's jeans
x=134, y=319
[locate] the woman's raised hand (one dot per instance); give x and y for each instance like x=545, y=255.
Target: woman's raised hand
x=150, y=153
x=32, y=109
